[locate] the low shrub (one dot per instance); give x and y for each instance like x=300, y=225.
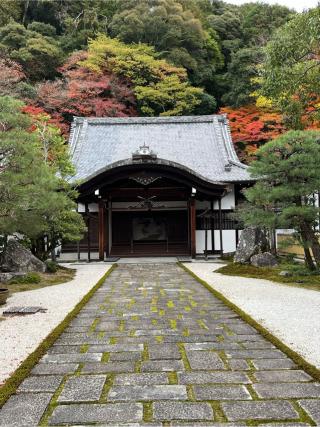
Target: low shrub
x=31, y=277
x=51, y=266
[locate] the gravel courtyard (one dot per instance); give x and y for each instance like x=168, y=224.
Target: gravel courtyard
x=289, y=312
x=155, y=348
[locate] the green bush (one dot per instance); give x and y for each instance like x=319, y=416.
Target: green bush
x=301, y=270
x=51, y=266
x=31, y=277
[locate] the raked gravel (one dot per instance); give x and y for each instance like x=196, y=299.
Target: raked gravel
x=20, y=335
x=290, y=313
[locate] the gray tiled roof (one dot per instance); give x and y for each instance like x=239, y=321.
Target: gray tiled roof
x=200, y=143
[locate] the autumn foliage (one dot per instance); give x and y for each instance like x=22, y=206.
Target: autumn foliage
x=82, y=92
x=251, y=127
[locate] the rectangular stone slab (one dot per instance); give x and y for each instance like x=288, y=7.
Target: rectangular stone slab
x=212, y=377
x=312, y=407
x=25, y=409
x=146, y=392
x=166, y=411
x=222, y=392
x=201, y=360
x=95, y=413
x=45, y=383
x=54, y=368
x=145, y=378
x=287, y=390
x=256, y=410
x=282, y=376
x=71, y=358
x=83, y=388
x=273, y=364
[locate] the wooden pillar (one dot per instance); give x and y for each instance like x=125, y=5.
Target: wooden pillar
x=237, y=237
x=192, y=210
x=107, y=229
x=101, y=221
x=212, y=227
x=110, y=227
x=88, y=233
x=220, y=227
x=236, y=190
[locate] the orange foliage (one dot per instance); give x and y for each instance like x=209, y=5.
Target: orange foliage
x=252, y=127
x=82, y=92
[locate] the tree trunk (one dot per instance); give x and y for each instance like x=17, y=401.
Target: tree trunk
x=310, y=237
x=53, y=255
x=308, y=259
x=273, y=242
x=26, y=7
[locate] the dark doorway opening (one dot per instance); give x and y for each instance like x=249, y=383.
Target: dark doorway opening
x=156, y=233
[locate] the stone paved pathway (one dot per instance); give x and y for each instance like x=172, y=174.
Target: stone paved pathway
x=155, y=348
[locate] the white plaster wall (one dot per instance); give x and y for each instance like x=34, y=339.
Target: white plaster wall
x=228, y=240
x=200, y=241
x=93, y=207
x=228, y=201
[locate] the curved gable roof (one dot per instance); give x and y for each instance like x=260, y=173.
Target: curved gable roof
x=200, y=143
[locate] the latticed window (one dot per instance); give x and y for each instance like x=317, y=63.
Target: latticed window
x=228, y=222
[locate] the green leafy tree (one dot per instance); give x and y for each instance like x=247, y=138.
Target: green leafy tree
x=287, y=172
x=34, y=201
x=81, y=20
x=257, y=22
x=51, y=143
x=260, y=20
x=291, y=75
x=10, y=10
x=160, y=88
x=172, y=28
x=38, y=53
x=241, y=76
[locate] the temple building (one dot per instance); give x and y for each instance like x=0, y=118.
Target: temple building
x=156, y=186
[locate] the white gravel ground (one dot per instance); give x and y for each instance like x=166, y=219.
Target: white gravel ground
x=290, y=313
x=20, y=335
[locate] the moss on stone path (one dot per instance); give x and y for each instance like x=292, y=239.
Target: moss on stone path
x=134, y=354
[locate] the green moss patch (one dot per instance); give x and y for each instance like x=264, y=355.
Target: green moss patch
x=299, y=277
x=27, y=365
x=300, y=361
x=32, y=281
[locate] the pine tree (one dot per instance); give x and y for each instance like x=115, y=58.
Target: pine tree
x=287, y=172
x=34, y=201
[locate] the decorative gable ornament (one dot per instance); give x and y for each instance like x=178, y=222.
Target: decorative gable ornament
x=144, y=154
x=144, y=179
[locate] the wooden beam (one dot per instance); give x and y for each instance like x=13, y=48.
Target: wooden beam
x=102, y=232
x=192, y=208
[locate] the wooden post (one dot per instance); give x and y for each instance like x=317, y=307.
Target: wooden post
x=220, y=227
x=206, y=243
x=110, y=227
x=236, y=190
x=107, y=229
x=192, y=207
x=101, y=221
x=88, y=236
x=212, y=227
